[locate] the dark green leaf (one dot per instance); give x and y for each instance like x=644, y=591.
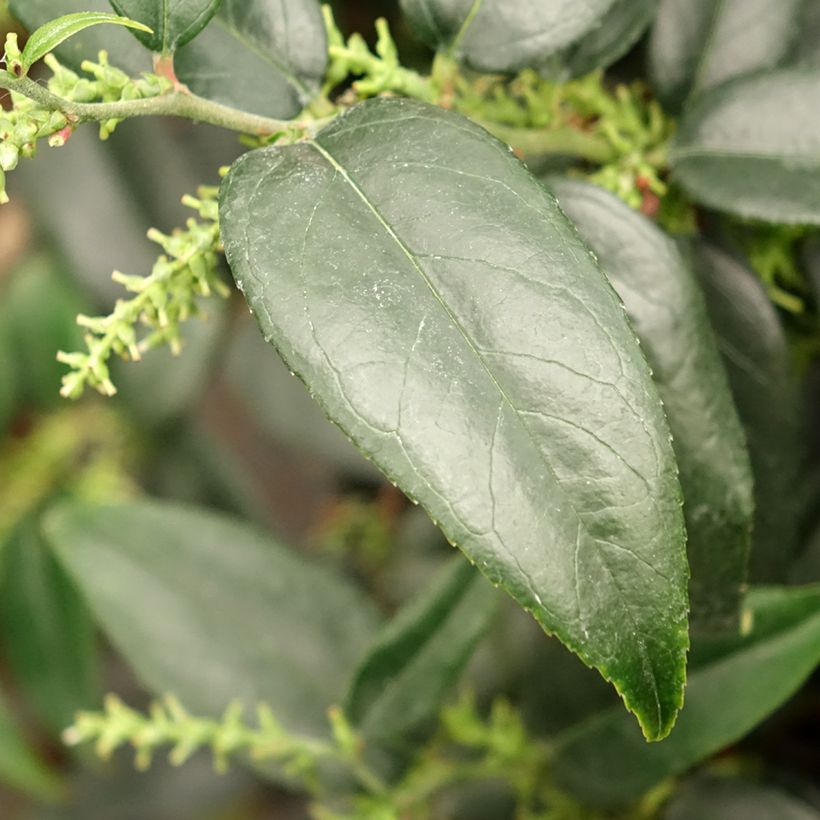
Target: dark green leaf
x=667, y=311
x=445, y=314
x=266, y=58
x=503, y=35
x=48, y=635
x=191, y=597
x=807, y=51
x=697, y=44
x=752, y=147
x=606, y=761
x=400, y=687
x=708, y=798
x=758, y=360
x=125, y=52
x=46, y=38
x=172, y=22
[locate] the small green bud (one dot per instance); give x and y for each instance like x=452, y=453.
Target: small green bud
x=9, y=155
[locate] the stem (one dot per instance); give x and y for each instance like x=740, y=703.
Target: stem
x=175, y=104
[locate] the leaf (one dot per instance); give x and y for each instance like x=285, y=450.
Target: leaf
x=191, y=597
x=708, y=798
x=125, y=52
x=758, y=360
x=605, y=760
x=172, y=23
x=400, y=686
x=46, y=38
x=668, y=312
x=503, y=35
x=752, y=147
x=262, y=57
x=443, y=312
x=614, y=35
x=807, y=50
x=698, y=44
x=46, y=626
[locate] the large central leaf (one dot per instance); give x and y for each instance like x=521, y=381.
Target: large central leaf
x=446, y=315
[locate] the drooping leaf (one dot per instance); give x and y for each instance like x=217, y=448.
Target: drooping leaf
x=213, y=611
x=752, y=147
x=755, y=350
x=172, y=23
x=125, y=52
x=401, y=684
x=49, y=36
x=698, y=44
x=503, y=35
x=48, y=635
x=668, y=312
x=443, y=311
x=262, y=57
x=606, y=761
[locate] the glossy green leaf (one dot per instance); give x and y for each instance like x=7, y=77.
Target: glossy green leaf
x=125, y=52
x=708, y=798
x=191, y=597
x=503, y=35
x=614, y=35
x=262, y=57
x=698, y=44
x=171, y=23
x=668, y=312
x=400, y=687
x=605, y=761
x=46, y=626
x=752, y=147
x=46, y=38
x=443, y=311
x=758, y=360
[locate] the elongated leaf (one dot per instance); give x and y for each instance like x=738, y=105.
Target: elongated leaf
x=171, y=23
x=125, y=52
x=698, y=44
x=503, y=35
x=669, y=315
x=212, y=611
x=752, y=147
x=755, y=349
x=46, y=38
x=48, y=635
x=267, y=58
x=399, y=689
x=444, y=313
x=606, y=761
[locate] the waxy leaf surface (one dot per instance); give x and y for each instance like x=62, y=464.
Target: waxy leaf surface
x=503, y=35
x=266, y=58
x=668, y=311
x=752, y=147
x=172, y=22
x=443, y=311
x=213, y=611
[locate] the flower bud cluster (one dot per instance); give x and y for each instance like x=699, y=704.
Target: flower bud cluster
x=161, y=302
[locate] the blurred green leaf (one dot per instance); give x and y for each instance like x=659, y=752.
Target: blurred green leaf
x=668, y=312
x=169, y=23
x=752, y=147
x=213, y=611
x=401, y=684
x=605, y=761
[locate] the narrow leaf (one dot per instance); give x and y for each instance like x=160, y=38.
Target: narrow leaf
x=46, y=38
x=188, y=596
x=668, y=312
x=400, y=686
x=443, y=311
x=606, y=762
x=503, y=35
x=752, y=147
x=169, y=23
x=266, y=58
